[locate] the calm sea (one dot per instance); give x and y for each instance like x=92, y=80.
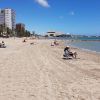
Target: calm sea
x=87, y=43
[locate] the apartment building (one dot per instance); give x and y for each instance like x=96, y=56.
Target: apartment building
x=20, y=26
x=7, y=18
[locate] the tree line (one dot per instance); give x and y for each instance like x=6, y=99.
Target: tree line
x=7, y=32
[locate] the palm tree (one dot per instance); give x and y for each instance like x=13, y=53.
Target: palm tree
x=9, y=32
x=2, y=28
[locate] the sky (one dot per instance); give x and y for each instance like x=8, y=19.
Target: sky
x=67, y=16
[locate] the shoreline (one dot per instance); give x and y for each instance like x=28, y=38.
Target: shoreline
x=89, y=53
x=79, y=47
x=86, y=50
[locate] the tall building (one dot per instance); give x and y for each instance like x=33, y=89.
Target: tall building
x=20, y=26
x=7, y=18
x=20, y=29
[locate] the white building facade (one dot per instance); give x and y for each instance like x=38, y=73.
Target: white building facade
x=7, y=18
x=53, y=33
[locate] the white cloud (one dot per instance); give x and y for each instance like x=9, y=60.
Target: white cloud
x=43, y=3
x=72, y=13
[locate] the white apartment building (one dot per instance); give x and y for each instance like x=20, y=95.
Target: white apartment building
x=7, y=18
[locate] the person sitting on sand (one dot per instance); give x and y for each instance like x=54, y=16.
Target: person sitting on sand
x=67, y=51
x=2, y=45
x=56, y=43
x=24, y=40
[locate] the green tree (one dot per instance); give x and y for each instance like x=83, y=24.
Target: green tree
x=22, y=32
x=9, y=32
x=1, y=29
x=27, y=33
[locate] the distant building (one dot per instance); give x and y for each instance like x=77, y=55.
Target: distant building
x=20, y=26
x=7, y=18
x=53, y=34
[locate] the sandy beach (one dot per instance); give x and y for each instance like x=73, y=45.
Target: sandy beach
x=39, y=72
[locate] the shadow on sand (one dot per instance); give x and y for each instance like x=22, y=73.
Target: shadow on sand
x=69, y=58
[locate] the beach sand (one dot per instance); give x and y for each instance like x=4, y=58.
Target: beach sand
x=39, y=72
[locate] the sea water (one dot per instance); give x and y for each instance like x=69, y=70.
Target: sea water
x=87, y=43
x=90, y=45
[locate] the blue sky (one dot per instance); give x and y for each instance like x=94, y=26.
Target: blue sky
x=68, y=16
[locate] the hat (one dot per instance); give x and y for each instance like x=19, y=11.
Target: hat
x=67, y=46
